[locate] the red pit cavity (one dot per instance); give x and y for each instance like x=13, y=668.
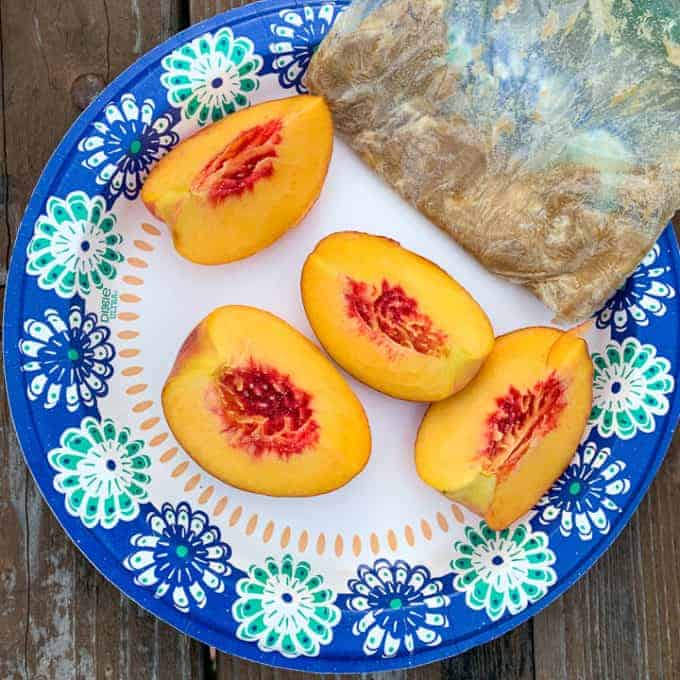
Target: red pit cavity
x=264, y=412
x=520, y=420
x=390, y=312
x=241, y=164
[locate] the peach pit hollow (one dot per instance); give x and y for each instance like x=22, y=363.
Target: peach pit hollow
x=388, y=313
x=264, y=412
x=521, y=419
x=244, y=161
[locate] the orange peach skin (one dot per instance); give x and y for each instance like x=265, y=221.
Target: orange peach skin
x=216, y=232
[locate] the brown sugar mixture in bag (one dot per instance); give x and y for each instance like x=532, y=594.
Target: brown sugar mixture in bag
x=547, y=144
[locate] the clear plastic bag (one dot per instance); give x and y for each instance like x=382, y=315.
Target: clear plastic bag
x=544, y=136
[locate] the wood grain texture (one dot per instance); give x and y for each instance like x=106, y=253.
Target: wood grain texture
x=14, y=575
x=231, y=668
x=510, y=656
x=204, y=9
x=58, y=617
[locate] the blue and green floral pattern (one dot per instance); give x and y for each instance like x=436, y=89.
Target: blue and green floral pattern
x=285, y=607
x=102, y=472
x=630, y=388
x=585, y=496
x=295, y=37
x=67, y=360
x=503, y=571
x=399, y=605
x=125, y=145
x=75, y=246
x=212, y=76
x=641, y=298
x=181, y=556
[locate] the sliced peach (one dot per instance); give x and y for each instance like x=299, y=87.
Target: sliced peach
x=393, y=319
x=235, y=187
x=258, y=406
x=498, y=445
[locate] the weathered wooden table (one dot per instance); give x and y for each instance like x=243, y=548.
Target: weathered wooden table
x=60, y=619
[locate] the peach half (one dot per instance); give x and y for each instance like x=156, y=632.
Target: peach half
x=258, y=406
x=393, y=319
x=498, y=445
x=235, y=187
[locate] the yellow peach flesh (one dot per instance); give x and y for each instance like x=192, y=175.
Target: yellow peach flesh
x=265, y=205
x=235, y=446
x=393, y=319
x=454, y=440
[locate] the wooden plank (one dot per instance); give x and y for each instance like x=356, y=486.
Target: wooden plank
x=509, y=657
x=204, y=9
x=13, y=555
x=58, y=617
x=14, y=576
x=231, y=668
